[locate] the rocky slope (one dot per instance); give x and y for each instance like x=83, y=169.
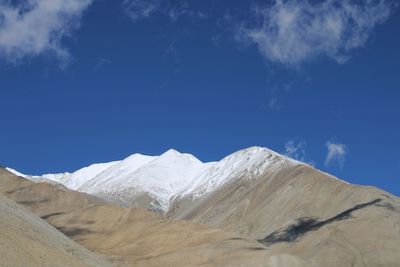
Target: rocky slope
x=303, y=212
x=136, y=237
x=27, y=240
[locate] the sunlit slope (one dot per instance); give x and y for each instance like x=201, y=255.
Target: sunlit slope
x=136, y=237
x=302, y=211
x=27, y=240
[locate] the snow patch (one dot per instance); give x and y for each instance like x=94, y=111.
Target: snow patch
x=16, y=172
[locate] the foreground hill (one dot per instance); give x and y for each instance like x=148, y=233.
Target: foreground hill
x=27, y=240
x=136, y=237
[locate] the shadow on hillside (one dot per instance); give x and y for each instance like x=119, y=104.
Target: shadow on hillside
x=72, y=232
x=33, y=202
x=48, y=216
x=304, y=225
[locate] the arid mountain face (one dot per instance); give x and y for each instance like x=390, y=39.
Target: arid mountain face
x=303, y=212
x=27, y=240
x=253, y=208
x=135, y=237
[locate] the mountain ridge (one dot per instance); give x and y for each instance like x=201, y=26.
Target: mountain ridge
x=161, y=178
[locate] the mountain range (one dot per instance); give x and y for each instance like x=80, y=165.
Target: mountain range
x=269, y=209
x=157, y=182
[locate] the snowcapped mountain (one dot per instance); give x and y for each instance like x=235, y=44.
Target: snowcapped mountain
x=289, y=207
x=159, y=178
x=76, y=179
x=244, y=164
x=154, y=182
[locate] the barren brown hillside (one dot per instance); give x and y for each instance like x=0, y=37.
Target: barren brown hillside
x=135, y=237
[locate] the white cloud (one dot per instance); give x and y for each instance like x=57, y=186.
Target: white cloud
x=34, y=27
x=273, y=103
x=139, y=9
x=295, y=149
x=336, y=154
x=101, y=62
x=142, y=9
x=277, y=94
x=292, y=32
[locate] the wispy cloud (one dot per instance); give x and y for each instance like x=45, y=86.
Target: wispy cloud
x=273, y=102
x=142, y=9
x=296, y=149
x=139, y=9
x=336, y=154
x=292, y=32
x=101, y=62
x=36, y=27
x=277, y=94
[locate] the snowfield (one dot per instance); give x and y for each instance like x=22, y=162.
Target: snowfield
x=172, y=175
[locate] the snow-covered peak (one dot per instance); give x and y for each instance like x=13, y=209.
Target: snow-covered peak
x=174, y=156
x=120, y=171
x=168, y=176
x=81, y=176
x=252, y=152
x=246, y=163
x=17, y=173
x=160, y=177
x=137, y=156
x=132, y=163
x=255, y=151
x=171, y=153
x=56, y=177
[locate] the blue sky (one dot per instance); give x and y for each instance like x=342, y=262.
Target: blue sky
x=97, y=80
